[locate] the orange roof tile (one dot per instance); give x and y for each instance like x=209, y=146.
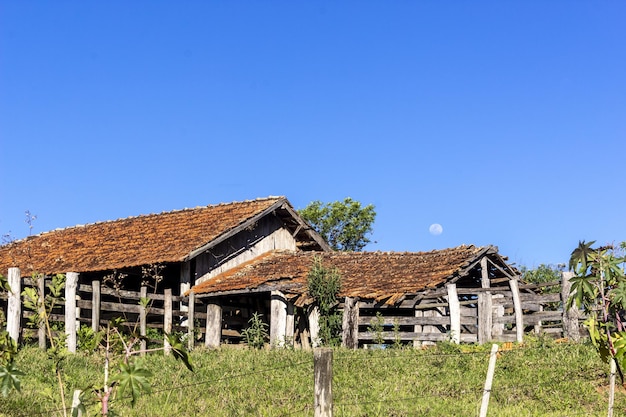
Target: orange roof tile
x=370, y=275
x=132, y=241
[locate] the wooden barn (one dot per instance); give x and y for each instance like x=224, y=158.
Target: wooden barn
x=449, y=294
x=207, y=270
x=175, y=250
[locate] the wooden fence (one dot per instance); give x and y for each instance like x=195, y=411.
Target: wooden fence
x=449, y=313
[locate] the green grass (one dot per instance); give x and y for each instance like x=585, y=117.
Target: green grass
x=539, y=379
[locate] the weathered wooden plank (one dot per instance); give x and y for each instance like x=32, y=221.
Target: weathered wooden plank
x=95, y=305
x=571, y=316
x=414, y=321
x=41, y=331
x=71, y=283
x=323, y=376
x=191, y=309
x=278, y=319
x=167, y=320
x=519, y=314
x=350, y=324
x=143, y=316
x=455, y=314
x=213, y=333
x=14, y=307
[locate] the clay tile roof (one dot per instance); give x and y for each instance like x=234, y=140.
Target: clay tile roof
x=368, y=275
x=132, y=241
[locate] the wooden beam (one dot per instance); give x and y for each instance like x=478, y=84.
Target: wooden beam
x=191, y=308
x=278, y=319
x=95, y=305
x=213, y=333
x=350, y=324
x=455, y=314
x=143, y=316
x=314, y=326
x=71, y=283
x=167, y=320
x=519, y=314
x=14, y=304
x=41, y=332
x=571, y=316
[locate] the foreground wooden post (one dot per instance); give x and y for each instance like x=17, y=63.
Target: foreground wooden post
x=323, y=370
x=455, y=314
x=571, y=327
x=191, y=310
x=278, y=319
x=143, y=316
x=95, y=305
x=350, y=326
x=167, y=320
x=14, y=304
x=71, y=284
x=213, y=332
x=519, y=314
x=41, y=332
x=489, y=380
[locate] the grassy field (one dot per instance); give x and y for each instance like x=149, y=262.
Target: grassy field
x=540, y=378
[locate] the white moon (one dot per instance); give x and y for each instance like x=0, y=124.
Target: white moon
x=435, y=229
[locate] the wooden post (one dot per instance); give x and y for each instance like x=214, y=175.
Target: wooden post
x=455, y=314
x=314, y=326
x=71, y=284
x=41, y=289
x=191, y=337
x=95, y=305
x=213, y=334
x=278, y=319
x=418, y=328
x=143, y=316
x=489, y=380
x=323, y=370
x=519, y=314
x=167, y=320
x=571, y=327
x=485, y=305
x=350, y=324
x=14, y=304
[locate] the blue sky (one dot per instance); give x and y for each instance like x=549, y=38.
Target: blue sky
x=505, y=122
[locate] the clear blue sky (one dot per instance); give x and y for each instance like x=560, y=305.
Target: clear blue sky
x=505, y=122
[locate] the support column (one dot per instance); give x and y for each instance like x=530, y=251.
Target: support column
x=519, y=314
x=314, y=326
x=350, y=324
x=71, y=285
x=95, y=305
x=167, y=319
x=213, y=333
x=41, y=332
x=485, y=313
x=14, y=304
x=571, y=327
x=455, y=314
x=278, y=319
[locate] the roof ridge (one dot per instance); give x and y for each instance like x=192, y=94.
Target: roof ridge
x=138, y=216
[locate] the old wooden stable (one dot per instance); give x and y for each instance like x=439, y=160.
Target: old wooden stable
x=213, y=267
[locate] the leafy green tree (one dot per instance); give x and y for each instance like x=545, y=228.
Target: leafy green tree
x=600, y=288
x=344, y=224
x=324, y=284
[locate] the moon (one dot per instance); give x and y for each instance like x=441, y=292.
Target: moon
x=435, y=229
